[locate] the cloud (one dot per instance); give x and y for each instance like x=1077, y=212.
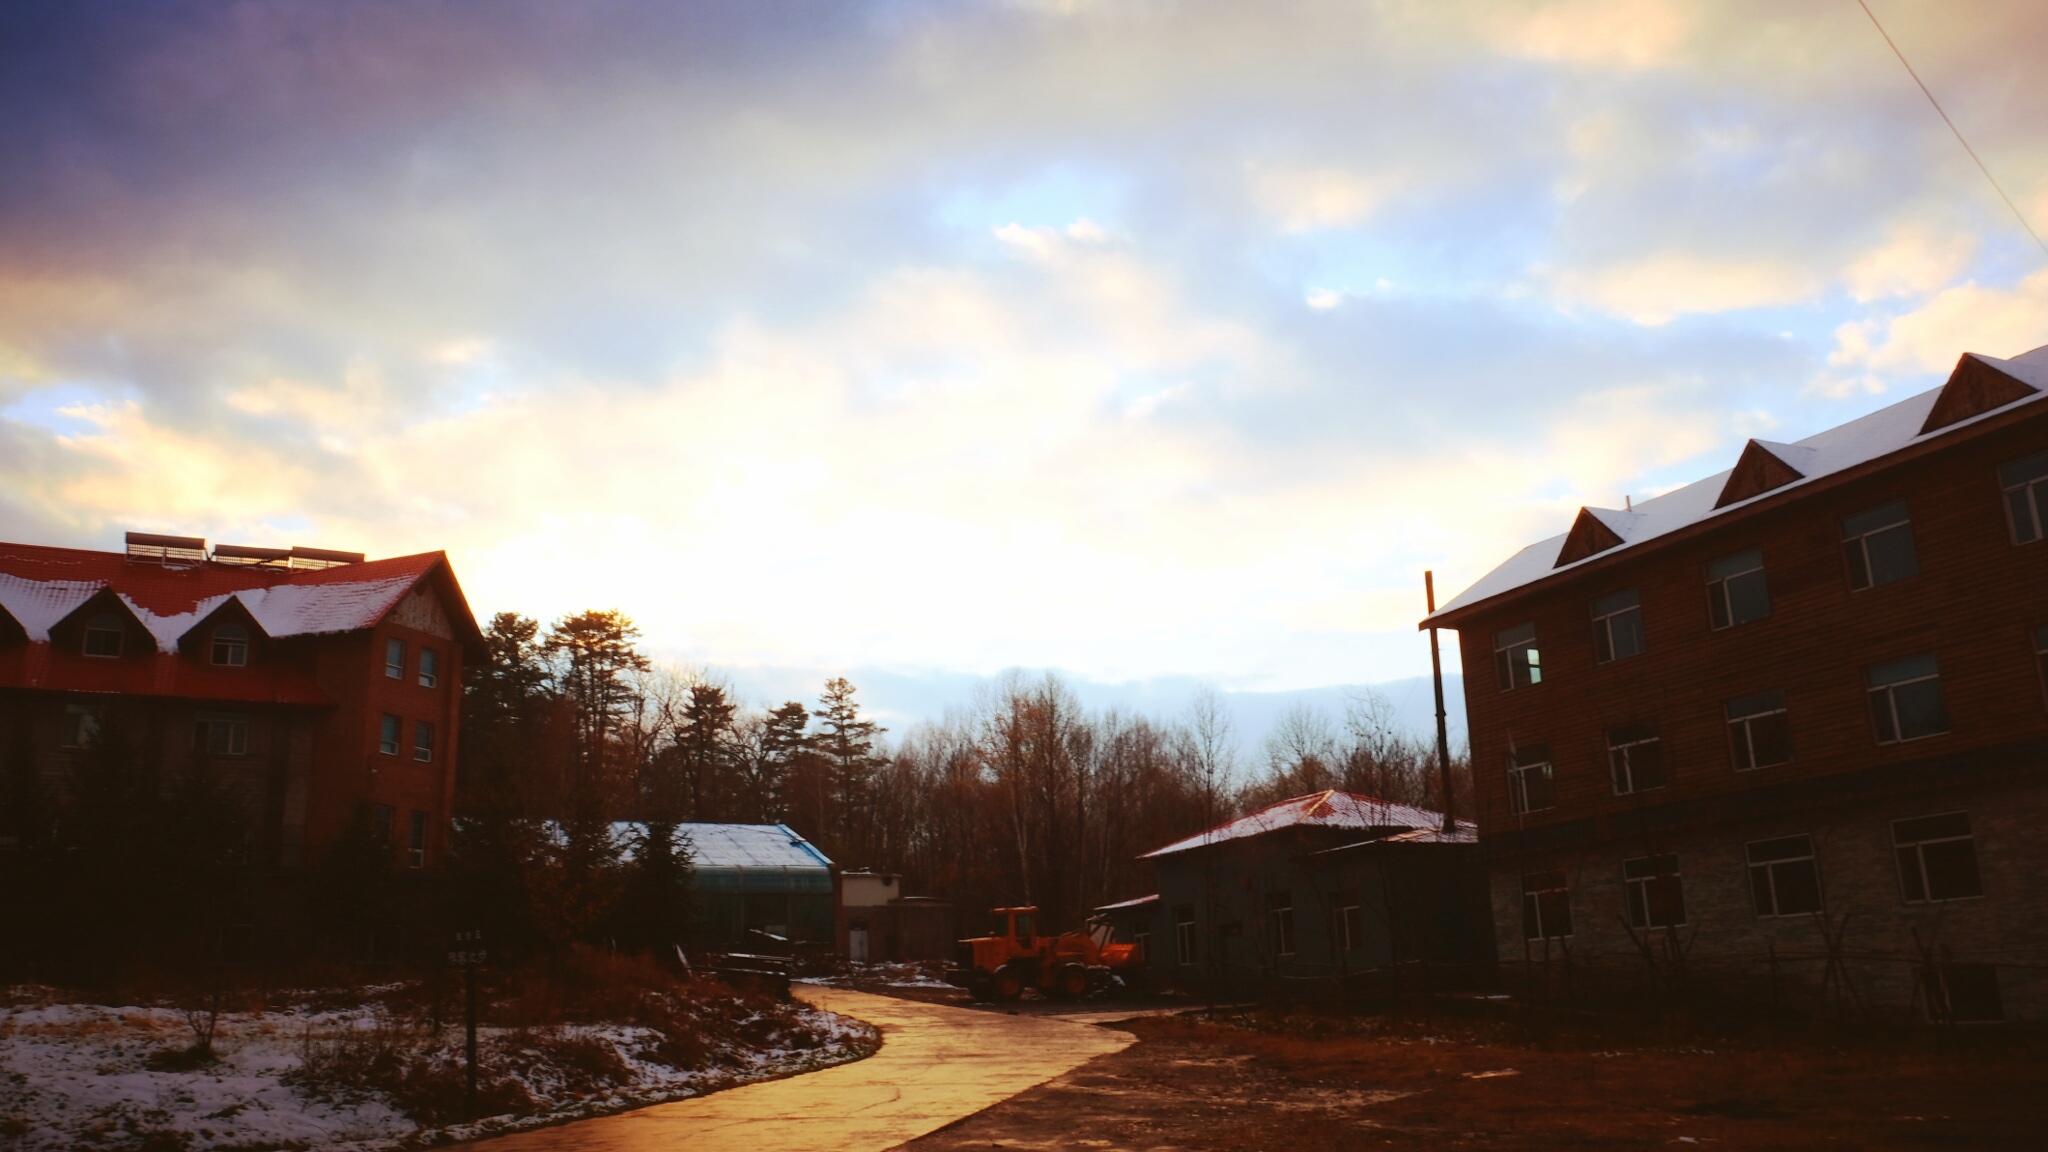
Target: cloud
x=1308, y=199
x=1656, y=289
x=2000, y=322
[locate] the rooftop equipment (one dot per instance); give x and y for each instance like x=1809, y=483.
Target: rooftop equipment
x=150, y=548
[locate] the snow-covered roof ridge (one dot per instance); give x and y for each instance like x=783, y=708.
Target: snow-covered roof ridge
x=1825, y=453
x=1328, y=809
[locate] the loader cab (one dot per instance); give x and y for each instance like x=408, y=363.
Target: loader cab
x=1016, y=923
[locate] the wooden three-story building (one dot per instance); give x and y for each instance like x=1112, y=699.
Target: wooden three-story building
x=1789, y=722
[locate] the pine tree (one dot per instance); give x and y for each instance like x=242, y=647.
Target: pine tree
x=847, y=744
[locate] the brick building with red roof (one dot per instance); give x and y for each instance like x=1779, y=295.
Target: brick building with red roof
x=316, y=684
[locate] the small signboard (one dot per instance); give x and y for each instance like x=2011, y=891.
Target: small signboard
x=466, y=949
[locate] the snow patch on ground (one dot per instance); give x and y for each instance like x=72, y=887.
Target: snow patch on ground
x=80, y=1076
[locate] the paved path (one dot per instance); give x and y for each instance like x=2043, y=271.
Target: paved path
x=937, y=1064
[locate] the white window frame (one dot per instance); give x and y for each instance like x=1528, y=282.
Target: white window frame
x=2024, y=484
x=1348, y=920
x=1856, y=544
x=1769, y=869
x=1720, y=604
x=234, y=732
x=1518, y=781
x=1280, y=913
x=1889, y=690
x=230, y=651
x=1742, y=738
x=1517, y=661
x=95, y=626
x=1918, y=847
x=430, y=667
x=1604, y=648
x=1621, y=760
x=394, y=658
x=423, y=741
x=416, y=840
x=1186, y=937
x=1636, y=891
x=1532, y=905
x=390, y=734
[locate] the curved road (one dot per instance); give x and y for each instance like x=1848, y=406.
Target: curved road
x=937, y=1065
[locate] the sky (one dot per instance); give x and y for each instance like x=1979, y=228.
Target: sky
x=1157, y=343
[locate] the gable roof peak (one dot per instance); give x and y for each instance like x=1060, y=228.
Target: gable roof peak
x=1763, y=467
x=1977, y=385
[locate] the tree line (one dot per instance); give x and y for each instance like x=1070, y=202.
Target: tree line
x=1025, y=796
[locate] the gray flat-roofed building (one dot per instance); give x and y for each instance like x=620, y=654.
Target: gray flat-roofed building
x=757, y=876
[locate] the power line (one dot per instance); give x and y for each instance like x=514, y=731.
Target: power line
x=2017, y=214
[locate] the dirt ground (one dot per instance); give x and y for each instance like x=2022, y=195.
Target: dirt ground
x=1263, y=1082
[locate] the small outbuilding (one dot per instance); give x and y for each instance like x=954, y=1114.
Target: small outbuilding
x=1326, y=888
x=759, y=876
x=877, y=922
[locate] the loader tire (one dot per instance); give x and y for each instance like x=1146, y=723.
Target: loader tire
x=982, y=987
x=1070, y=982
x=1009, y=983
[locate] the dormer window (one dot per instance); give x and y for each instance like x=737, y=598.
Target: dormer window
x=103, y=635
x=231, y=645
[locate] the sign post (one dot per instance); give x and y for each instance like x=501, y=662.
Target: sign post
x=467, y=953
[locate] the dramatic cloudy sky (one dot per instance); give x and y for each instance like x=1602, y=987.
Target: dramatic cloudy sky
x=1135, y=339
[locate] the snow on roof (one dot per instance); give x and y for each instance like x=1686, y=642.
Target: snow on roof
x=1123, y=904
x=1839, y=448
x=39, y=587
x=765, y=846
x=38, y=604
x=1332, y=809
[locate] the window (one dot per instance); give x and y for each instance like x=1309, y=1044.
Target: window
x=1532, y=786
x=1347, y=924
x=1759, y=732
x=2041, y=653
x=1736, y=592
x=221, y=735
x=394, y=659
x=422, y=741
x=1546, y=906
x=1905, y=699
x=387, y=735
x=1515, y=657
x=385, y=815
x=2026, y=496
x=81, y=726
x=1280, y=914
x=1656, y=898
x=1184, y=949
x=1636, y=758
x=1937, y=858
x=430, y=667
x=1879, y=544
x=1618, y=626
x=1963, y=993
x=231, y=645
x=416, y=848
x=1783, y=878
x=103, y=635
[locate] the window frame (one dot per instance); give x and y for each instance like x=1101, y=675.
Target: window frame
x=1534, y=901
x=1747, y=740
x=1347, y=925
x=1517, y=660
x=1280, y=917
x=429, y=675
x=1187, y=937
x=423, y=741
x=1626, y=762
x=1856, y=545
x=1920, y=870
x=1605, y=650
x=235, y=741
x=2029, y=492
x=226, y=651
x=416, y=840
x=1768, y=869
x=96, y=625
x=390, y=734
x=1636, y=891
x=84, y=726
x=1888, y=690
x=384, y=824
x=1721, y=602
x=394, y=658
x=1518, y=779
